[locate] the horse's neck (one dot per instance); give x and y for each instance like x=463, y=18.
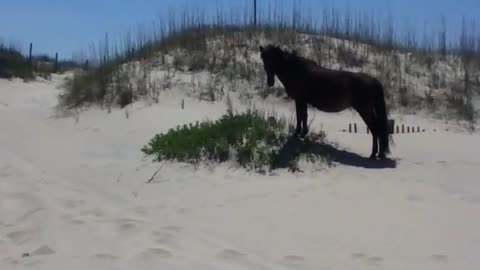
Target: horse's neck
x=287, y=74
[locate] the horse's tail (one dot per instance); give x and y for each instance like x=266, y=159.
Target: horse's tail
x=382, y=118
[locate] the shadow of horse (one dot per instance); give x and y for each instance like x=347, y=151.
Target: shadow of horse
x=294, y=147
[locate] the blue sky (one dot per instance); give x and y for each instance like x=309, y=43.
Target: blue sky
x=70, y=26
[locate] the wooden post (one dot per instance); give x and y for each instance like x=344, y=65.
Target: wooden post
x=30, y=53
x=255, y=12
x=56, y=62
x=349, y=127
x=391, y=125
x=418, y=129
x=355, y=127
x=398, y=129
x=403, y=128
x=408, y=129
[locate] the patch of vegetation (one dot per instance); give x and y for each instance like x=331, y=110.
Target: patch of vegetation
x=226, y=47
x=13, y=64
x=251, y=139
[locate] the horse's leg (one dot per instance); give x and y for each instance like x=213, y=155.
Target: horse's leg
x=368, y=116
x=302, y=115
x=304, y=111
x=298, y=109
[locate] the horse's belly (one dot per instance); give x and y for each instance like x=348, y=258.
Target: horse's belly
x=332, y=106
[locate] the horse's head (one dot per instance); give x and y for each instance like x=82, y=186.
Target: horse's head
x=271, y=56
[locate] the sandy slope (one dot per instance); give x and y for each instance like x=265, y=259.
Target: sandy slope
x=73, y=196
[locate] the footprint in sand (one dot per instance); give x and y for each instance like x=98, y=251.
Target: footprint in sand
x=104, y=257
x=156, y=252
x=173, y=228
x=469, y=198
x=359, y=255
x=20, y=236
x=73, y=220
x=370, y=260
x=293, y=261
x=71, y=204
x=95, y=212
x=29, y=213
x=230, y=254
x=306, y=188
x=32, y=264
x=414, y=198
x=43, y=250
x=5, y=171
x=374, y=260
x=84, y=216
x=441, y=258
x=127, y=224
x=11, y=261
x=182, y=211
x=164, y=238
x=141, y=210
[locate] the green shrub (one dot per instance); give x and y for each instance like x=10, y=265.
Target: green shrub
x=248, y=138
x=251, y=139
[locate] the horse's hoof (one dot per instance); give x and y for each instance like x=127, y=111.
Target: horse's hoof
x=372, y=157
x=382, y=156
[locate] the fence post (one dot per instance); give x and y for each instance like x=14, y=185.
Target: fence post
x=56, y=62
x=391, y=126
x=255, y=12
x=355, y=127
x=30, y=53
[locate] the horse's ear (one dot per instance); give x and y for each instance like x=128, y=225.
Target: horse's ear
x=262, y=49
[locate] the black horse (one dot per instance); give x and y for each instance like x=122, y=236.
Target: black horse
x=329, y=91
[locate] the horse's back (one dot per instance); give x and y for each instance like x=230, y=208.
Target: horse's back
x=334, y=90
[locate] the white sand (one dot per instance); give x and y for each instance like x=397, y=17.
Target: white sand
x=73, y=196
